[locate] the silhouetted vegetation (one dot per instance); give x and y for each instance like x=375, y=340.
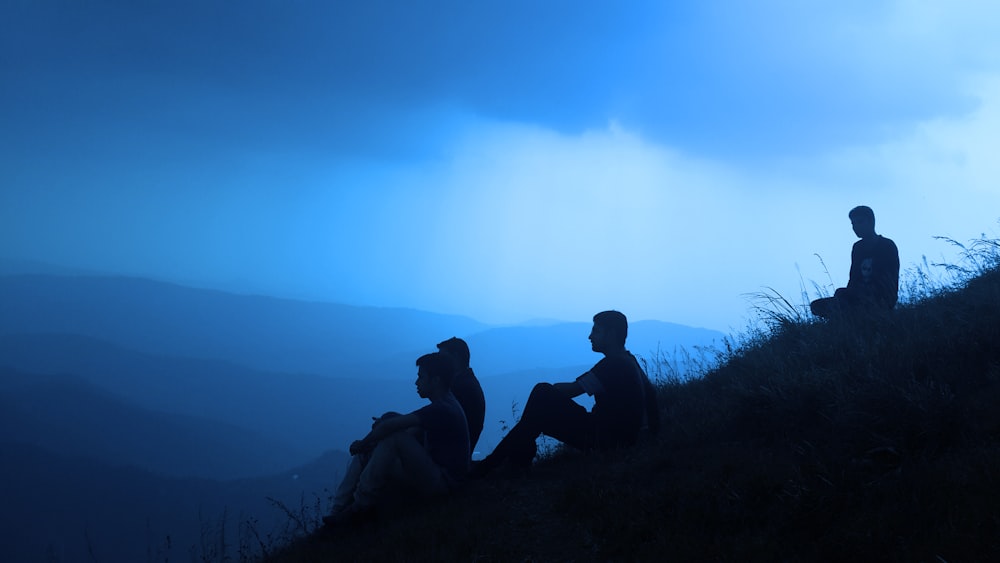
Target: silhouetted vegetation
x=868, y=439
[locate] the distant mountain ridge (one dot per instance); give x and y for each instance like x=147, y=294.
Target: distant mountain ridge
x=305, y=412
x=261, y=332
x=109, y=384
x=506, y=349
x=310, y=374
x=64, y=413
x=283, y=335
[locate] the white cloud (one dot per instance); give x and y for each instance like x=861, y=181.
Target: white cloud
x=549, y=225
x=559, y=226
x=944, y=173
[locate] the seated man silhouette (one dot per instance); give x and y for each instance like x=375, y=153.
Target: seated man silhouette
x=874, y=277
x=424, y=452
x=624, y=400
x=466, y=388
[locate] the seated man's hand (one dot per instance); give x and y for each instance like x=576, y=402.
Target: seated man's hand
x=379, y=420
x=360, y=447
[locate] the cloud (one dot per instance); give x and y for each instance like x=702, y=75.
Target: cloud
x=562, y=224
x=753, y=82
x=942, y=174
x=501, y=160
x=543, y=224
x=237, y=66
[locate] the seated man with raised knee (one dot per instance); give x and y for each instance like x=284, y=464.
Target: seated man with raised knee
x=624, y=401
x=424, y=452
x=873, y=284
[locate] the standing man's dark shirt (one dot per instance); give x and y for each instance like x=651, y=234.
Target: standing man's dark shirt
x=873, y=284
x=875, y=271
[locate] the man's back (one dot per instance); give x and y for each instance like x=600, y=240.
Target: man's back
x=875, y=270
x=446, y=434
x=619, y=403
x=469, y=394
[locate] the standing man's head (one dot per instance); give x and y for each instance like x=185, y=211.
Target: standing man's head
x=863, y=221
x=457, y=349
x=609, y=332
x=434, y=375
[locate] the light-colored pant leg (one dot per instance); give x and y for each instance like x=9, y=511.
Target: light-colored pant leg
x=399, y=458
x=345, y=492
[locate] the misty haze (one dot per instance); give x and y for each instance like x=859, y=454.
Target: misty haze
x=229, y=229
x=125, y=397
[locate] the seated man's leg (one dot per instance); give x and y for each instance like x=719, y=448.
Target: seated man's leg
x=549, y=412
x=398, y=459
x=827, y=307
x=554, y=414
x=421, y=474
x=344, y=495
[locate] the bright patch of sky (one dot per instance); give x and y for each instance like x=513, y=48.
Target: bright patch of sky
x=501, y=160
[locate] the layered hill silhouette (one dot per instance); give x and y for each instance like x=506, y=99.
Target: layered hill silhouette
x=69, y=415
x=69, y=508
x=147, y=409
x=339, y=365
x=261, y=332
x=303, y=413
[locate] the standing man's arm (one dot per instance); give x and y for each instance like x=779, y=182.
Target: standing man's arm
x=895, y=272
x=887, y=273
x=652, y=406
x=854, y=276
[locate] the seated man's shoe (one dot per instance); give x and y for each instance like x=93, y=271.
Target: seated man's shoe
x=481, y=468
x=350, y=515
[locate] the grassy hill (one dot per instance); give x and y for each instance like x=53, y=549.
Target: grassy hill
x=865, y=439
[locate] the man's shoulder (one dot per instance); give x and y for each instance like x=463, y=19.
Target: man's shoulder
x=445, y=403
x=440, y=411
x=466, y=378
x=878, y=243
x=615, y=364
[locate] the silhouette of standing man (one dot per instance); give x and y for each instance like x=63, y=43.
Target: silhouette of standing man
x=874, y=279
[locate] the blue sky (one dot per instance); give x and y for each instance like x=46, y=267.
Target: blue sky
x=502, y=160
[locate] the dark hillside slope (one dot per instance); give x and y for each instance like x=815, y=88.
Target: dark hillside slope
x=873, y=440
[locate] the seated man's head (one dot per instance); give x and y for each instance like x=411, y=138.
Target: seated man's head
x=457, y=349
x=434, y=374
x=609, y=332
x=863, y=221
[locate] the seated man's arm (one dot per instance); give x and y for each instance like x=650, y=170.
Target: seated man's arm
x=384, y=428
x=588, y=383
x=570, y=389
